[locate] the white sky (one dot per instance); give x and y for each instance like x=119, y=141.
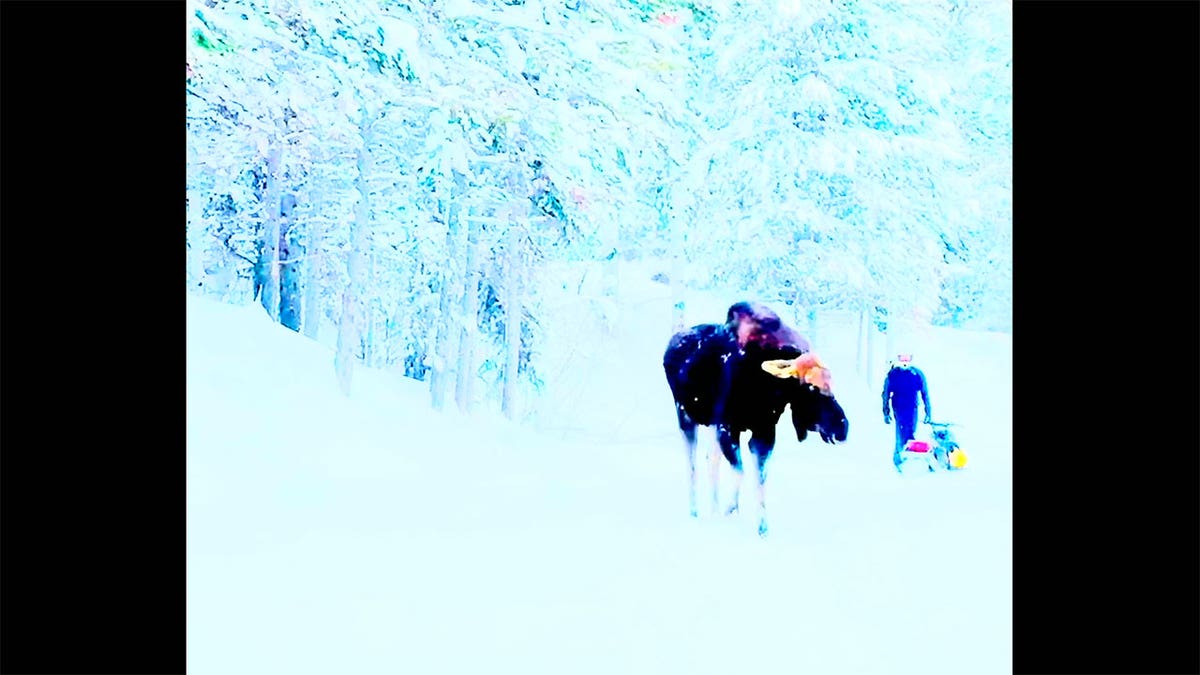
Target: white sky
x=371, y=534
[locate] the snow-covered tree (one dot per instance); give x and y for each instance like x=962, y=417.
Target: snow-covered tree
x=451, y=186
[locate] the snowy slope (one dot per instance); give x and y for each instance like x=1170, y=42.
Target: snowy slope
x=372, y=534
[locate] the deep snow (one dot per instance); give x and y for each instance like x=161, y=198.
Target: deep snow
x=371, y=534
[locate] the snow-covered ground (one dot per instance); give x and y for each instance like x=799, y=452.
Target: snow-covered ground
x=371, y=534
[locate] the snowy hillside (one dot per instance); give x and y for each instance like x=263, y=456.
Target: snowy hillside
x=371, y=534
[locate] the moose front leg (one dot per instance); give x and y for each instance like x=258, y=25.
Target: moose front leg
x=762, y=442
x=728, y=440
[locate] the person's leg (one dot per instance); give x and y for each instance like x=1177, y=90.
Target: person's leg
x=896, y=458
x=906, y=426
x=905, y=431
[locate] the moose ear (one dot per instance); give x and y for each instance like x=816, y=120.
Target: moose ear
x=809, y=368
x=808, y=360
x=781, y=368
x=821, y=379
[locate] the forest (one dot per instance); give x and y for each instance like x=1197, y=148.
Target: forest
x=450, y=188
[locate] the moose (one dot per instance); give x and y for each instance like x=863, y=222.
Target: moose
x=739, y=376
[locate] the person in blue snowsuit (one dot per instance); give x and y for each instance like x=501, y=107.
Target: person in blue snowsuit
x=901, y=387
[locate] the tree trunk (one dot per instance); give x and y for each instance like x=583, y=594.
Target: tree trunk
x=812, y=327
x=446, y=333
x=464, y=393
x=195, y=245
x=859, y=356
x=512, y=324
x=291, y=250
x=678, y=305
x=349, y=327
x=518, y=182
x=610, y=278
x=889, y=340
x=269, y=244
x=871, y=350
x=343, y=357
x=369, y=354
x=312, y=285
x=678, y=248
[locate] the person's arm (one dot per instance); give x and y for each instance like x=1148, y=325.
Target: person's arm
x=887, y=392
x=925, y=397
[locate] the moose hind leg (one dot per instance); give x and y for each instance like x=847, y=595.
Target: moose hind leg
x=728, y=441
x=714, y=477
x=688, y=427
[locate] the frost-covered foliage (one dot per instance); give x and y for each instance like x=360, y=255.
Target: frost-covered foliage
x=429, y=179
